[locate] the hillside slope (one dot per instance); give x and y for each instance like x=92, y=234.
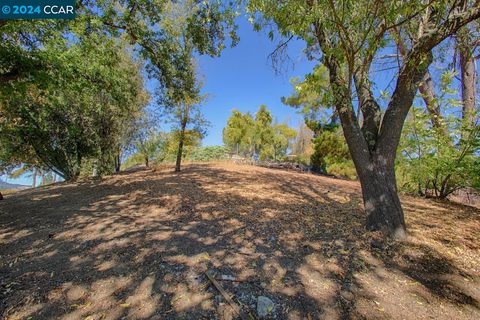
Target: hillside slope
x=136, y=246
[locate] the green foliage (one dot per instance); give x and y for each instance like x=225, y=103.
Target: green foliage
x=77, y=89
x=263, y=134
x=192, y=140
x=156, y=147
x=75, y=107
x=432, y=163
x=246, y=135
x=211, y=153
x=331, y=154
x=436, y=160
x=151, y=147
x=239, y=131
x=312, y=97
x=282, y=138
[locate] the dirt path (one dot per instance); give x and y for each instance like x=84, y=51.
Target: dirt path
x=136, y=246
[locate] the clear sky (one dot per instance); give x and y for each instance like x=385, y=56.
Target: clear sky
x=243, y=78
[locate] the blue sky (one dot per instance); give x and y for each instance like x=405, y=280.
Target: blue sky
x=243, y=78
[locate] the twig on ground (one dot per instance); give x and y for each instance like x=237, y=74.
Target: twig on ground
x=225, y=295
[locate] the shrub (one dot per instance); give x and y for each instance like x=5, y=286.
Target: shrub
x=210, y=153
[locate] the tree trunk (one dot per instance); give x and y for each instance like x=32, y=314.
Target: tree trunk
x=147, y=163
x=467, y=65
x=180, y=144
x=118, y=162
x=380, y=197
x=1, y=196
x=34, y=183
x=375, y=168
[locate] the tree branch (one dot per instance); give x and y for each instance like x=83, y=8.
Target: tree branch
x=414, y=68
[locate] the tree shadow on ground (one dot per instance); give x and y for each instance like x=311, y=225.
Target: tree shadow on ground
x=137, y=246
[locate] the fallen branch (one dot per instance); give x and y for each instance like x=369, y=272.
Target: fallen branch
x=235, y=280
x=225, y=295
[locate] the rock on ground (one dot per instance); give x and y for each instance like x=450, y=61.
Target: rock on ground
x=265, y=306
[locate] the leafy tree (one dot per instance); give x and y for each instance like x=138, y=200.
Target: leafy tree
x=249, y=136
x=148, y=146
x=189, y=122
x=180, y=98
x=313, y=98
x=349, y=35
x=331, y=153
x=236, y=131
x=151, y=147
x=191, y=140
x=282, y=139
x=248, y=142
x=74, y=109
x=419, y=168
x=263, y=134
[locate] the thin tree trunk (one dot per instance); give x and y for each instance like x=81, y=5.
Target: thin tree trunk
x=34, y=183
x=467, y=65
x=1, y=196
x=180, y=144
x=118, y=162
x=147, y=162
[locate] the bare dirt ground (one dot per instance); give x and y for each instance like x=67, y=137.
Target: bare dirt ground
x=136, y=246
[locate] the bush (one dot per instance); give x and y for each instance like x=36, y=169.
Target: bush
x=331, y=154
x=210, y=153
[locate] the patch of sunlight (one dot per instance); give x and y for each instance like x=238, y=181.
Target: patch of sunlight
x=46, y=196
x=106, y=265
x=186, y=299
x=338, y=197
x=143, y=302
x=319, y=285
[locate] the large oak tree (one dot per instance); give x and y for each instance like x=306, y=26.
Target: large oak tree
x=348, y=35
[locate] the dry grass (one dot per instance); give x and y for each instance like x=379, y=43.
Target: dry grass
x=135, y=246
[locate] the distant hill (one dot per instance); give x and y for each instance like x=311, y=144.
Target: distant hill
x=5, y=185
